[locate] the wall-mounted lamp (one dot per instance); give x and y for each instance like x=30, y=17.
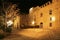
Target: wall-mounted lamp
x=52, y=18
x=33, y=22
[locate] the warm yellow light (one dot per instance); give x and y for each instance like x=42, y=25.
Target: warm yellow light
x=53, y=18
x=31, y=9
x=33, y=22
x=9, y=23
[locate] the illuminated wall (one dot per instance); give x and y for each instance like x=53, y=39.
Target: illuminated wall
x=17, y=22
x=47, y=14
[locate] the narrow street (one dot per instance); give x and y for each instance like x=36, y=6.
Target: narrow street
x=33, y=34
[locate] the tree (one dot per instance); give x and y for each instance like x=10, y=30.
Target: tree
x=8, y=12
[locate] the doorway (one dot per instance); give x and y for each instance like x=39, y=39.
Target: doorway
x=41, y=25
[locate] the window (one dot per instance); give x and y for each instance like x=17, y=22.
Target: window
x=50, y=12
x=41, y=15
x=50, y=24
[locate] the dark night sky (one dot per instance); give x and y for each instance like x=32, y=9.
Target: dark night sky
x=25, y=5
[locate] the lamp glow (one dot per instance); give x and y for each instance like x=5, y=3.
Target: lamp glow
x=31, y=9
x=9, y=23
x=53, y=18
x=33, y=22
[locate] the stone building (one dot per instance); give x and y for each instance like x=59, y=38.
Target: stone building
x=47, y=15
x=24, y=19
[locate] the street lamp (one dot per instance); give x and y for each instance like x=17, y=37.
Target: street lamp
x=9, y=23
x=53, y=18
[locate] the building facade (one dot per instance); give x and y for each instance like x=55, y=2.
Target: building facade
x=47, y=15
x=24, y=19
